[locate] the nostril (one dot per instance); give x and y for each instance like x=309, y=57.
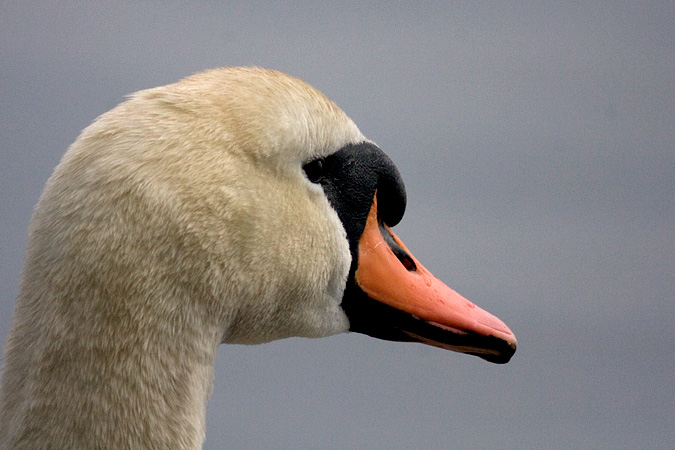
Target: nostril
x=403, y=256
x=407, y=262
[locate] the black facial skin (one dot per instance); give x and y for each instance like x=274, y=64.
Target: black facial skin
x=350, y=177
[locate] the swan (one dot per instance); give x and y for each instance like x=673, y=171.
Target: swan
x=238, y=205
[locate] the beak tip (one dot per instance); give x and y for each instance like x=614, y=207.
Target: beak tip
x=503, y=356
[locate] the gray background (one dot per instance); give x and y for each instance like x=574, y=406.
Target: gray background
x=537, y=142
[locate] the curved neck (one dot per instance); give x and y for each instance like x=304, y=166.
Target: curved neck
x=105, y=378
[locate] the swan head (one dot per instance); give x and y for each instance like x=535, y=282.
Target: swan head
x=244, y=202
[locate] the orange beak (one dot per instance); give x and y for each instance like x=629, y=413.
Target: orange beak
x=387, y=272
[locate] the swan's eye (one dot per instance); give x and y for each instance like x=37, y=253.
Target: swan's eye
x=314, y=170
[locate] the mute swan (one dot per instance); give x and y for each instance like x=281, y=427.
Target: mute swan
x=238, y=205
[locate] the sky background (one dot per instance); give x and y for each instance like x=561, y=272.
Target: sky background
x=537, y=144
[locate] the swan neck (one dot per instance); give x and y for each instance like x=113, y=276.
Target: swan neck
x=71, y=382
